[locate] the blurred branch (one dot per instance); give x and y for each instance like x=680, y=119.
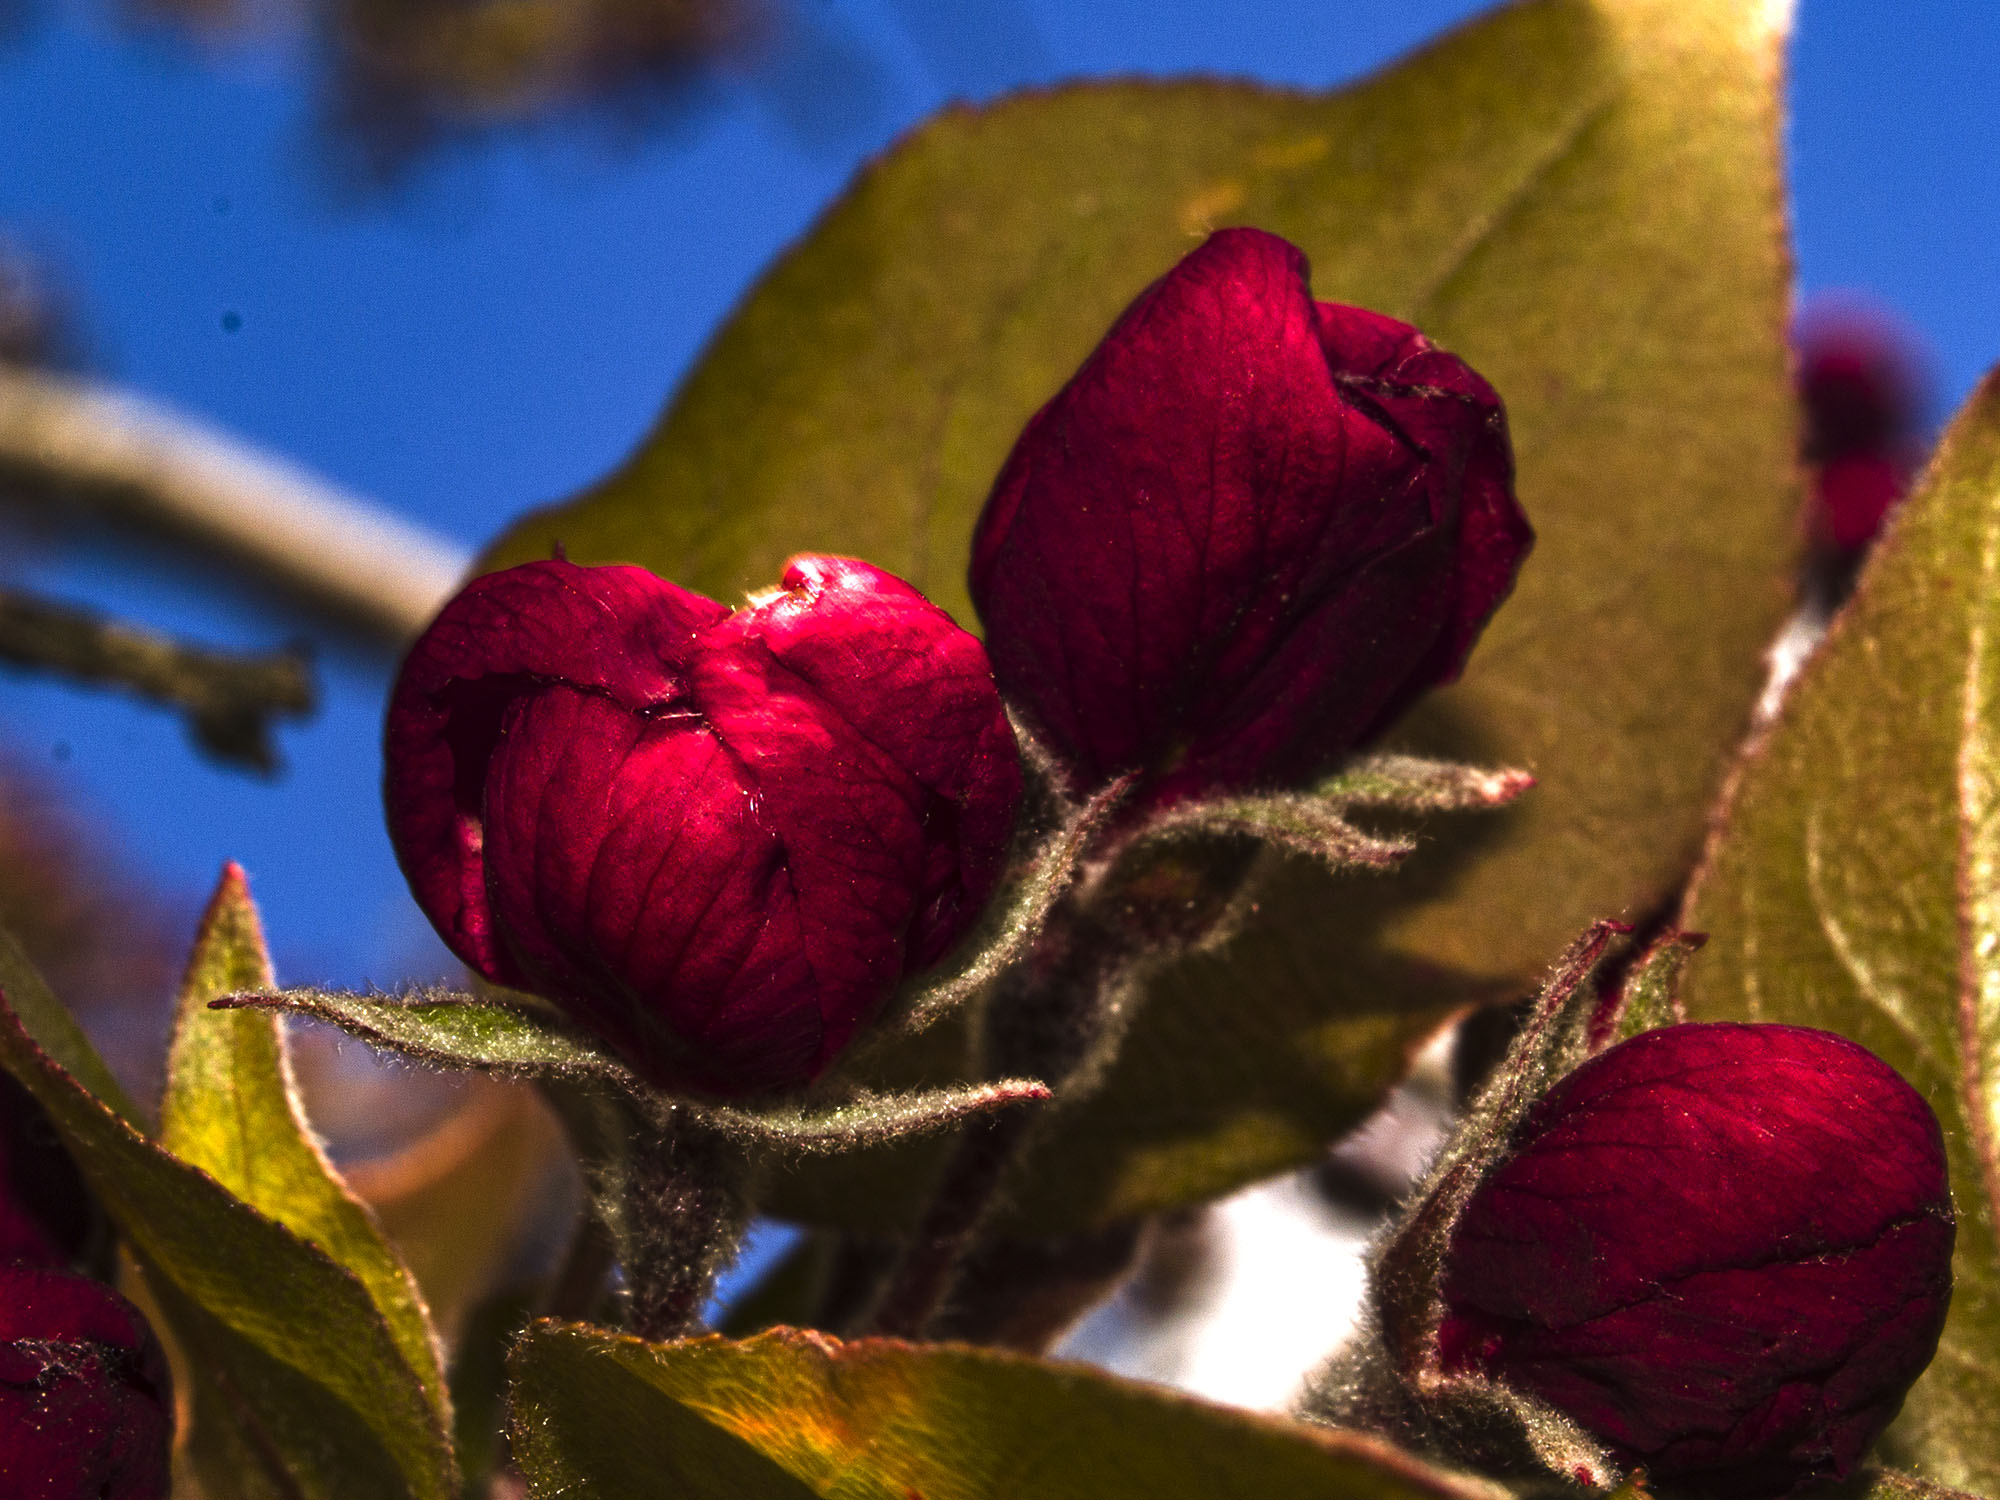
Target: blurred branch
x=229, y=699
x=37, y=326
x=64, y=441
x=400, y=79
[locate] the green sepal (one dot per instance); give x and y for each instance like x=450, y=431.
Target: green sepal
x=1388, y=1378
x=1013, y=921
x=453, y=1030
x=1414, y=784
x=1315, y=822
x=1649, y=994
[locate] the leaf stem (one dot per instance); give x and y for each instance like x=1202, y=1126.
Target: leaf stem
x=1059, y=1015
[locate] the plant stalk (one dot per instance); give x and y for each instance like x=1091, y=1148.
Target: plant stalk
x=1058, y=1016
x=986, y=1150
x=64, y=440
x=685, y=1207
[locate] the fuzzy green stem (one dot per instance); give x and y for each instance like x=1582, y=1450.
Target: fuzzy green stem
x=1054, y=1017
x=685, y=1206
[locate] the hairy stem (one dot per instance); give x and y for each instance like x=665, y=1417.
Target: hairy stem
x=987, y=1149
x=686, y=1206
x=1042, y=1021
x=1058, y=1016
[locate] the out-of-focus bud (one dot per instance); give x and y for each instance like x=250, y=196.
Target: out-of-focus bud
x=1862, y=389
x=86, y=1403
x=44, y=1207
x=1247, y=534
x=1723, y=1249
x=717, y=838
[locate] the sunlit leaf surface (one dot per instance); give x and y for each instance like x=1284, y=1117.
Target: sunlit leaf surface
x=231, y=1109
x=788, y=1415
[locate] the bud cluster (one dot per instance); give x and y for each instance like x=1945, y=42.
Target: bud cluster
x=720, y=842
x=1242, y=540
x=1248, y=533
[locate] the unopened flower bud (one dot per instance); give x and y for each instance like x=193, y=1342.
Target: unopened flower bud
x=1861, y=387
x=1723, y=1249
x=86, y=1403
x=717, y=838
x=1248, y=533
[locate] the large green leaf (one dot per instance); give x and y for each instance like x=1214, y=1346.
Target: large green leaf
x=1856, y=884
x=231, y=1109
x=292, y=1343
x=789, y=1415
x=1580, y=196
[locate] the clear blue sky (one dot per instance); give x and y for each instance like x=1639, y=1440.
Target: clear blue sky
x=504, y=332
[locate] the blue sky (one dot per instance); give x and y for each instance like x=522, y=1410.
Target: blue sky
x=505, y=330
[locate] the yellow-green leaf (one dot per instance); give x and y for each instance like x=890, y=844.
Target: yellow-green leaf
x=315, y=1380
x=56, y=1030
x=1582, y=197
x=1856, y=885
x=790, y=1415
x=231, y=1109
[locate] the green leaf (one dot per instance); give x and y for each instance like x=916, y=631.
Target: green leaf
x=292, y=1342
x=1853, y=885
x=230, y=1108
x=55, y=1029
x=1582, y=197
x=790, y=1415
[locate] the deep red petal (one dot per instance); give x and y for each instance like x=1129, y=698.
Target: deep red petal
x=620, y=632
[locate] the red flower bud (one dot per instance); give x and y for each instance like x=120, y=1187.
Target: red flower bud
x=1861, y=386
x=44, y=1207
x=1247, y=534
x=86, y=1403
x=1724, y=1249
x=717, y=838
